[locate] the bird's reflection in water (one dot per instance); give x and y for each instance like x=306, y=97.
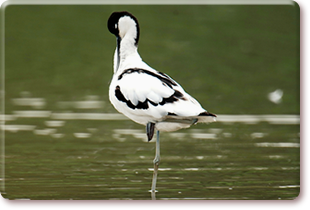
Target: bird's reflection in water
x=153, y=194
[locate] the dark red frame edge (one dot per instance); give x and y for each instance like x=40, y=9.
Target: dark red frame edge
x=299, y=202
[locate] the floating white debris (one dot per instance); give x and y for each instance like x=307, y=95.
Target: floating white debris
x=258, y=168
x=82, y=135
x=54, y=123
x=15, y=128
x=174, y=177
x=275, y=156
x=257, y=135
x=191, y=169
x=290, y=186
x=276, y=96
x=136, y=181
x=32, y=114
x=44, y=132
x=204, y=136
x=290, y=168
x=160, y=169
x=37, y=103
x=280, y=144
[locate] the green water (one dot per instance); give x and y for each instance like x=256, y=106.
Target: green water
x=233, y=165
x=58, y=59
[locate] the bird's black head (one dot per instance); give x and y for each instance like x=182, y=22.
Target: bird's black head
x=114, y=24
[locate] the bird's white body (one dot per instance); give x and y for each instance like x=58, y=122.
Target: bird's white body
x=145, y=95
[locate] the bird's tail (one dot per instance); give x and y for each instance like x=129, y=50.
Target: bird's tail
x=204, y=117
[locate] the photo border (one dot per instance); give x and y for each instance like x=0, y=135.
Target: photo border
x=299, y=202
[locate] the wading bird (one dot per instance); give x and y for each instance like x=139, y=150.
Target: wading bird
x=144, y=95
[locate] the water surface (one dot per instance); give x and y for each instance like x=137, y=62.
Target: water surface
x=90, y=159
x=64, y=140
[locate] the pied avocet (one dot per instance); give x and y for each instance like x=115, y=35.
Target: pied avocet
x=144, y=95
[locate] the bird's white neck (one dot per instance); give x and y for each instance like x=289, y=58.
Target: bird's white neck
x=126, y=49
x=127, y=43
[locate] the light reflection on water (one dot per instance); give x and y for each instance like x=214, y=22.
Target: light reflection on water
x=108, y=157
x=140, y=134
x=248, y=119
x=280, y=144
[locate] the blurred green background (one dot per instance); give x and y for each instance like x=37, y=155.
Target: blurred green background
x=228, y=57
x=58, y=59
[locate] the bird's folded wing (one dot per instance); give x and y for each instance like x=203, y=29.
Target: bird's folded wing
x=138, y=87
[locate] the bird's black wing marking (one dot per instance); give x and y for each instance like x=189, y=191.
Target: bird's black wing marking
x=141, y=105
x=144, y=105
x=166, y=80
x=161, y=76
x=175, y=97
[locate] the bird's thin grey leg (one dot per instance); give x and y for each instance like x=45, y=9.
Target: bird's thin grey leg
x=156, y=163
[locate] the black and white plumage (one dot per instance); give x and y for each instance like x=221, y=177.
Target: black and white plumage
x=144, y=95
